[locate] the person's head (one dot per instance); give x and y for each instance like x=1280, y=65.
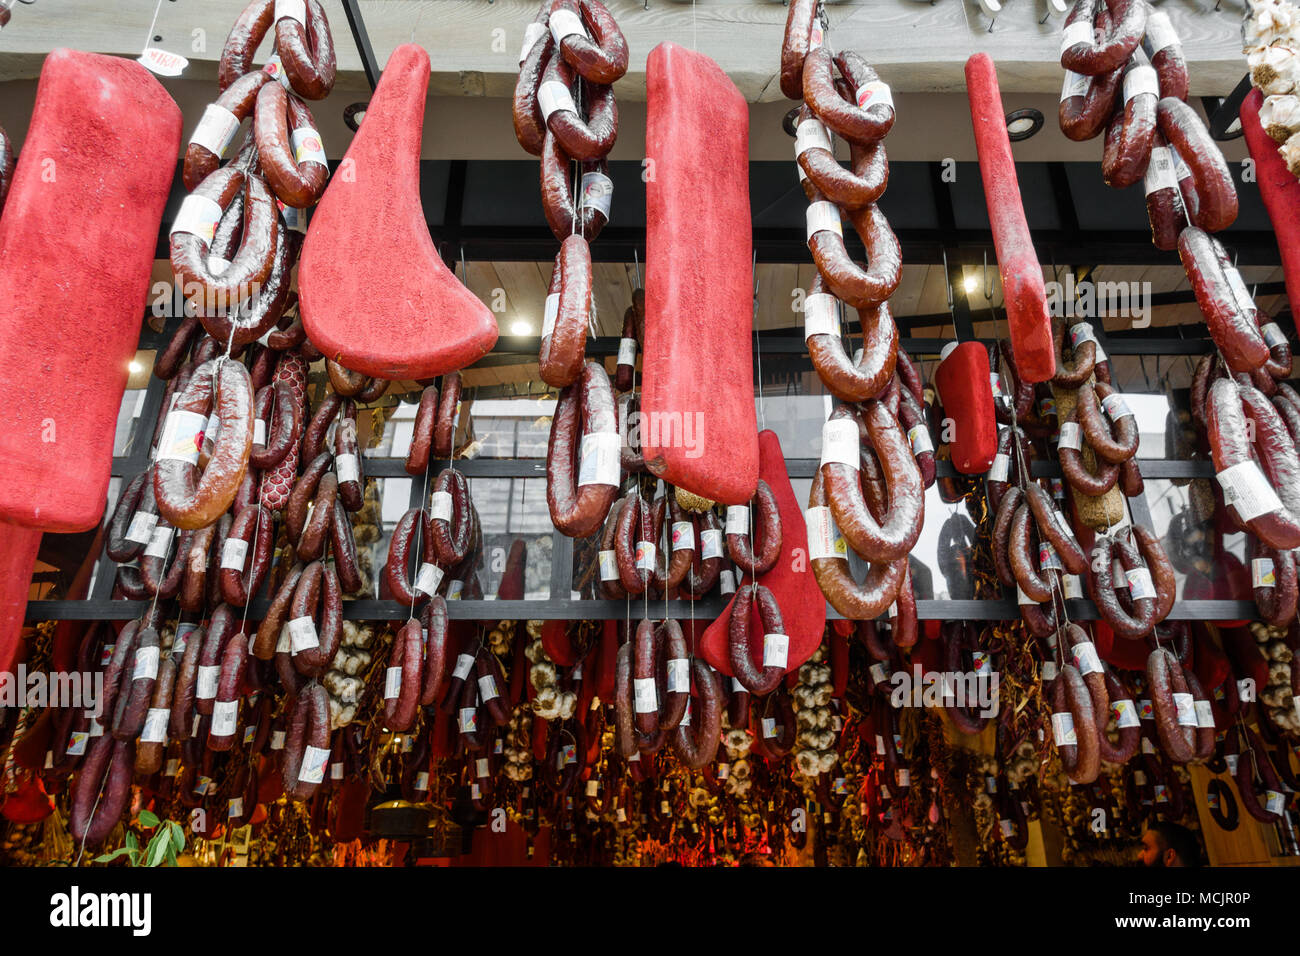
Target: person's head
x=1170, y=844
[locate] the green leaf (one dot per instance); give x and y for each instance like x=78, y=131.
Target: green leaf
x=157, y=851
x=109, y=857
x=148, y=819
x=177, y=836
x=131, y=841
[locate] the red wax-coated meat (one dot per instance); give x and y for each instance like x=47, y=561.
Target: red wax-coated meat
x=1279, y=189
x=77, y=246
x=962, y=380
x=374, y=293
x=791, y=581
x=1022, y=277
x=18, y=547
x=698, y=429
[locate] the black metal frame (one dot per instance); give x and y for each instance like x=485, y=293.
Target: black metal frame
x=782, y=342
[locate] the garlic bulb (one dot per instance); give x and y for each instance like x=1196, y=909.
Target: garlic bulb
x=1273, y=69
x=1280, y=116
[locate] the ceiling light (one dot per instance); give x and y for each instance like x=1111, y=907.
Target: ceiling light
x=521, y=327
x=970, y=283
x=135, y=367
x=1023, y=124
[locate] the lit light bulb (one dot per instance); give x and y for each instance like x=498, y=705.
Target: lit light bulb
x=521, y=327
x=135, y=368
x=970, y=284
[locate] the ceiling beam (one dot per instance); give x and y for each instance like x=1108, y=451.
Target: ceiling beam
x=474, y=44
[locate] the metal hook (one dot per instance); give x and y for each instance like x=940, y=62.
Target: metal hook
x=988, y=286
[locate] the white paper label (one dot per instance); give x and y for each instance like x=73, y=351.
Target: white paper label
x=487, y=688
x=428, y=579
x=155, y=726
x=564, y=23
x=198, y=216
x=146, y=664
x=1085, y=658
x=1262, y=574
x=643, y=692
x=454, y=589
x=821, y=316
x=1231, y=761
x=1071, y=437
x=1246, y=489
x=1160, y=171
x=225, y=714
x=1125, y=713
x=919, y=436
x=598, y=457
x=277, y=739
x=1078, y=32
x=346, y=468
x=811, y=134
x=824, y=539
x=1022, y=598
x=840, y=443
x=552, y=97
x=1140, y=584
x=162, y=63
x=441, y=506
x=392, y=683
x=234, y=554
x=1115, y=407
x=532, y=33
x=608, y=566
x=679, y=675
x=875, y=93
x=1160, y=33
x=1274, y=802
x=1204, y=715
x=726, y=582
x=1000, y=469
x=302, y=635
x=1075, y=84
x=463, y=665
x=215, y=130
x=141, y=529
x=1072, y=586
x=682, y=535
x=769, y=727
x=1063, y=730
x=207, y=682
x=597, y=193
x=307, y=147
x=182, y=437
x=737, y=519
x=292, y=9
x=550, y=312
x=627, y=352
x=1141, y=80
x=183, y=631
x=776, y=650
x=1048, y=559
x=710, y=543
x=1186, y=707
x=645, y=555
x=1272, y=334
x=314, y=759
x=822, y=216
x=467, y=719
